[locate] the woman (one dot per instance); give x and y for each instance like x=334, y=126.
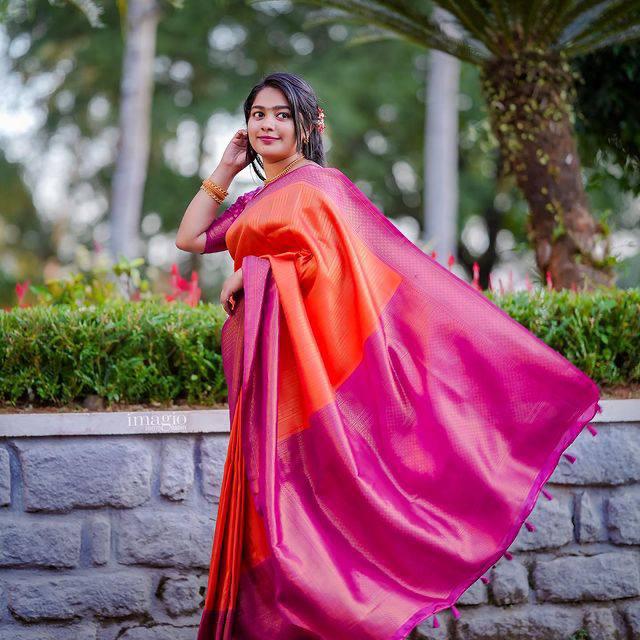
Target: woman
x=391, y=428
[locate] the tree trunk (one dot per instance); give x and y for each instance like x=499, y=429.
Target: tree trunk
x=530, y=106
x=441, y=154
x=441, y=150
x=136, y=89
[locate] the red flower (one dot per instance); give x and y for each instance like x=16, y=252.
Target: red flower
x=21, y=291
x=184, y=289
x=476, y=276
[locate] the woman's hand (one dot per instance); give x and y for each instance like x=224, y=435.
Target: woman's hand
x=232, y=284
x=234, y=156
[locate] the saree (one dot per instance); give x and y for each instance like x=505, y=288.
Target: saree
x=391, y=427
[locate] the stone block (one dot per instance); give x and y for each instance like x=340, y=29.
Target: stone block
x=177, y=468
x=475, y=594
x=623, y=516
x=509, y=582
x=180, y=595
x=25, y=542
x=5, y=478
x=64, y=475
x=553, y=521
x=213, y=453
x=610, y=458
x=171, y=538
x=99, y=535
x=602, y=624
x=590, y=522
x=103, y=594
x=519, y=622
x=605, y=576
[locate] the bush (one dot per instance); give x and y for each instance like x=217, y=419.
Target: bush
x=134, y=352
x=151, y=351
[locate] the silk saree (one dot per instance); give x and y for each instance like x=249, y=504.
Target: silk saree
x=391, y=427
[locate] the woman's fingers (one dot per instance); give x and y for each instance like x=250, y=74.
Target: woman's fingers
x=228, y=303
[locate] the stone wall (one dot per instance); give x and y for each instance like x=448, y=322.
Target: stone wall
x=106, y=537
x=109, y=536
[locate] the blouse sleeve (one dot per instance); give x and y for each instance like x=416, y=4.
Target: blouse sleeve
x=215, y=233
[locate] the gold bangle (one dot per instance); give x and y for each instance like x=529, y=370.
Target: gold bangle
x=217, y=198
x=212, y=187
x=213, y=191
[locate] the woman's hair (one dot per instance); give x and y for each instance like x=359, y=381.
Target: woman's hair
x=304, y=111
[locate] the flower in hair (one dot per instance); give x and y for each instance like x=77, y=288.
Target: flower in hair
x=320, y=125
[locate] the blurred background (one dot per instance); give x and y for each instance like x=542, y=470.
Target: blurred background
x=68, y=96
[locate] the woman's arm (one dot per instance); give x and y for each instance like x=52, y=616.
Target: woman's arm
x=201, y=212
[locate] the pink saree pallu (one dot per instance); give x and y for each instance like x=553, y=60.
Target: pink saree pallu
x=391, y=427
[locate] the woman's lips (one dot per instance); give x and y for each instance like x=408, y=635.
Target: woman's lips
x=266, y=140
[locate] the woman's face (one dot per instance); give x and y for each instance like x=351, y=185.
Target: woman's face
x=271, y=116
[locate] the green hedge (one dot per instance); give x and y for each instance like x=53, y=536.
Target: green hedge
x=146, y=352
x=122, y=351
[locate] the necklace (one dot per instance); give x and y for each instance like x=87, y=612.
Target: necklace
x=287, y=168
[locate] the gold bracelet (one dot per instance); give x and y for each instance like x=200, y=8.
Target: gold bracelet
x=217, y=198
x=216, y=195
x=214, y=189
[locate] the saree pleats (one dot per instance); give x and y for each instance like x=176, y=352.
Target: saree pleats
x=391, y=428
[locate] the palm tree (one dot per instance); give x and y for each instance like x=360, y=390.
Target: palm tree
x=523, y=50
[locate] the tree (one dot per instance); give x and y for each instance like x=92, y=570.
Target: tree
x=523, y=50
x=200, y=83
x=441, y=151
x=132, y=157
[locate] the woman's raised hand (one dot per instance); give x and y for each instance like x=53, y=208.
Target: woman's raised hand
x=234, y=156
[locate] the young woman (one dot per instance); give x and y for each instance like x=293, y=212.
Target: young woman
x=391, y=428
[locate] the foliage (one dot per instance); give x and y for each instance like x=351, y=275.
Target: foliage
x=94, y=287
x=103, y=283
x=200, y=85
x=523, y=51
x=153, y=352
x=482, y=31
x=123, y=352
x=608, y=120
x=597, y=331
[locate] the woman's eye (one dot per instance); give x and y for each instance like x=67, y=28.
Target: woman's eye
x=282, y=113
